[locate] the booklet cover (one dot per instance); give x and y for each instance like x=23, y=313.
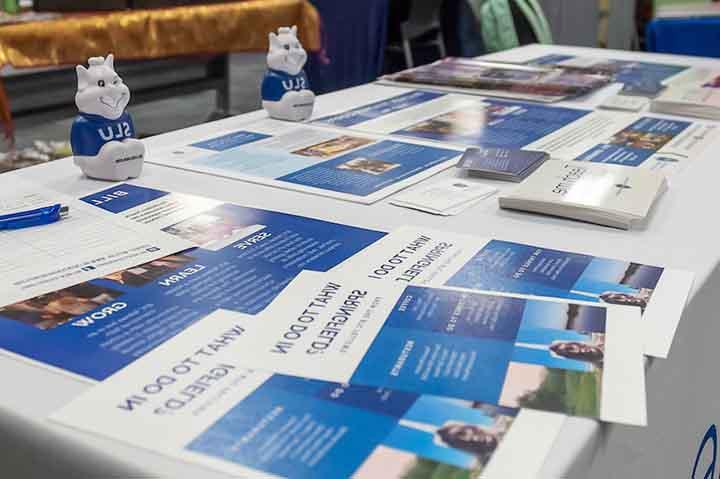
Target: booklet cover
x=191, y=399
x=502, y=79
x=604, y=194
x=550, y=355
x=423, y=256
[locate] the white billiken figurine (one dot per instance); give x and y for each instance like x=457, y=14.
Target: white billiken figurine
x=286, y=91
x=102, y=136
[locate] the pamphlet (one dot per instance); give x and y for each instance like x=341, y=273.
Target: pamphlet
x=552, y=355
x=698, y=99
x=429, y=257
x=354, y=167
x=608, y=195
x=246, y=257
x=191, y=399
x=501, y=163
x=508, y=80
x=86, y=244
x=564, y=133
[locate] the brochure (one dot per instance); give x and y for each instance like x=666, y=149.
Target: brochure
x=622, y=71
x=246, y=257
x=85, y=244
x=564, y=133
x=360, y=168
x=609, y=195
x=551, y=355
x=412, y=255
x=191, y=399
x=508, y=80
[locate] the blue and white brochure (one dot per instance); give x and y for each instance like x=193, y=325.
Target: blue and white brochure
x=246, y=256
x=564, y=133
x=336, y=163
x=422, y=256
x=508, y=350
x=192, y=400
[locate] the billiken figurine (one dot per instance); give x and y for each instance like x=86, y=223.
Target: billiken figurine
x=285, y=91
x=102, y=136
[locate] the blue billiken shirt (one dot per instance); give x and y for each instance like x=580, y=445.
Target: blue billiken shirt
x=90, y=132
x=276, y=83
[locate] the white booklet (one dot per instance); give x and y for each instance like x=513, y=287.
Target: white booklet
x=191, y=399
x=424, y=256
x=87, y=244
x=507, y=350
x=609, y=195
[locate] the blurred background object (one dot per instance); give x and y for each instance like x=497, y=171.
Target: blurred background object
x=356, y=42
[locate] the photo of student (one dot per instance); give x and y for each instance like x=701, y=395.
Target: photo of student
x=333, y=147
x=639, y=299
x=54, y=309
x=580, y=351
x=145, y=273
x=368, y=165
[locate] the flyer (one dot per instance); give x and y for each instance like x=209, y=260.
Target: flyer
x=85, y=244
x=419, y=256
x=513, y=351
x=191, y=399
x=339, y=164
x=564, y=133
x=246, y=257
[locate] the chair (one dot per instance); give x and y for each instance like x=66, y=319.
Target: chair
x=423, y=23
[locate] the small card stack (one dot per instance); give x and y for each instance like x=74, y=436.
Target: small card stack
x=446, y=198
x=501, y=163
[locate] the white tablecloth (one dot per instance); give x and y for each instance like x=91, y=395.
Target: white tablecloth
x=683, y=233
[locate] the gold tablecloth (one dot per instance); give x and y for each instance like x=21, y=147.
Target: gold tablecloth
x=152, y=34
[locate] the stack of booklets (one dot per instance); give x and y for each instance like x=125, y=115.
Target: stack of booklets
x=509, y=80
x=501, y=163
x=610, y=195
x=696, y=99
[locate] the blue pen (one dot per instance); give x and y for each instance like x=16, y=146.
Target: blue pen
x=36, y=217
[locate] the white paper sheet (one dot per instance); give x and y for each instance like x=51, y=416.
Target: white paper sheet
x=88, y=244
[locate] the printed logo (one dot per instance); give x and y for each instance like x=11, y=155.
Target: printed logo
x=709, y=439
x=623, y=186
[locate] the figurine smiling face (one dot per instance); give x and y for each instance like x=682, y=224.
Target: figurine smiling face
x=285, y=53
x=100, y=90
